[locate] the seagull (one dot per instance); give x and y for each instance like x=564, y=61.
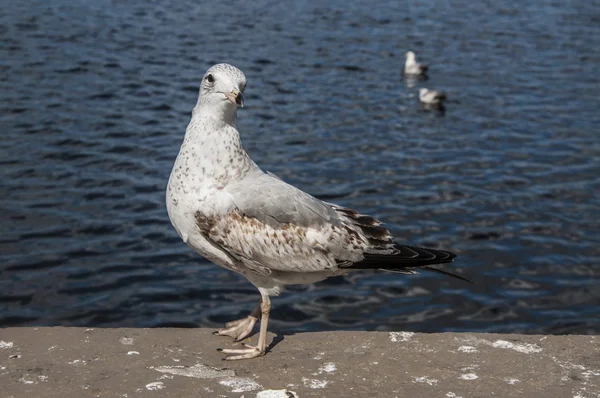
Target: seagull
x=412, y=67
x=432, y=97
x=251, y=222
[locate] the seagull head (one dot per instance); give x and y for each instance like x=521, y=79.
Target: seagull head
x=222, y=88
x=423, y=91
x=410, y=56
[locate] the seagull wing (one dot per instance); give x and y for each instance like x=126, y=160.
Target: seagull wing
x=277, y=227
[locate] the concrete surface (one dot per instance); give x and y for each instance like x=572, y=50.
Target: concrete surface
x=79, y=362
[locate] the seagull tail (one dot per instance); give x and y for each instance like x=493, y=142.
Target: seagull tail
x=407, y=260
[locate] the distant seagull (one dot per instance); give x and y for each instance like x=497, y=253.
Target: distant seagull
x=412, y=67
x=249, y=221
x=431, y=97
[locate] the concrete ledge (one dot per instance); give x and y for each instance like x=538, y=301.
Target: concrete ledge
x=79, y=362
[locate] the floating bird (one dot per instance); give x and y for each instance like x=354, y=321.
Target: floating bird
x=412, y=67
x=251, y=222
x=432, y=97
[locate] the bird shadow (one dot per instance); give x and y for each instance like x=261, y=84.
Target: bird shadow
x=279, y=337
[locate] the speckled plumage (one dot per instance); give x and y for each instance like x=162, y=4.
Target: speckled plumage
x=251, y=222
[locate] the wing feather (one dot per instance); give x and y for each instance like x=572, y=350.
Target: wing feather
x=276, y=227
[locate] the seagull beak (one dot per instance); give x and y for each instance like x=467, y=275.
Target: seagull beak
x=236, y=97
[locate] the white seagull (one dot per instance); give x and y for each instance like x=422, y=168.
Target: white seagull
x=249, y=221
x=432, y=97
x=412, y=67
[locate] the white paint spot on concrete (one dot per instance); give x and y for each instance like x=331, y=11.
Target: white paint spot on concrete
x=452, y=395
x=14, y=356
x=328, y=367
x=512, y=381
x=133, y=353
x=6, y=344
x=76, y=362
x=52, y=348
x=401, y=336
x=519, y=347
x=157, y=385
x=33, y=379
x=126, y=340
x=239, y=384
x=469, y=376
x=525, y=348
x=589, y=373
x=276, y=394
x=425, y=379
x=165, y=377
x=314, y=383
x=319, y=356
x=198, y=371
x=467, y=348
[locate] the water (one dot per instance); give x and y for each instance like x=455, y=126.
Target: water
x=96, y=96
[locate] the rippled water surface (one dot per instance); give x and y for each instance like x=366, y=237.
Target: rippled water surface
x=96, y=95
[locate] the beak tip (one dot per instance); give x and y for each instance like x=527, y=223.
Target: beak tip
x=237, y=97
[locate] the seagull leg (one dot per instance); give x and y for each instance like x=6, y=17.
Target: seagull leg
x=250, y=351
x=240, y=328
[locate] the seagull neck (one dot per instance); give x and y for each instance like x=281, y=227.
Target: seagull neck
x=221, y=112
x=213, y=149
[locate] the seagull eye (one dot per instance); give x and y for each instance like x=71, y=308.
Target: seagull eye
x=210, y=78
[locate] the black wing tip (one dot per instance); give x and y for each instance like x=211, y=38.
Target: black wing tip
x=426, y=256
x=441, y=260
x=409, y=259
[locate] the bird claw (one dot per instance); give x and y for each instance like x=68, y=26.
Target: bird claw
x=239, y=329
x=248, y=352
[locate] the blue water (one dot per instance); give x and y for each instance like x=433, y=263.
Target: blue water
x=96, y=95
